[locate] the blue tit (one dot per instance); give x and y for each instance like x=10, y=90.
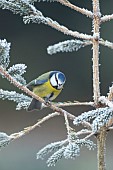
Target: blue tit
x=48, y=86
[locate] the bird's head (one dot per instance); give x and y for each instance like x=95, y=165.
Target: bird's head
x=57, y=79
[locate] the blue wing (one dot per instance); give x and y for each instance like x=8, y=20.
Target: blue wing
x=39, y=82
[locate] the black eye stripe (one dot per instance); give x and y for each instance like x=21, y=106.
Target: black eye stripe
x=56, y=79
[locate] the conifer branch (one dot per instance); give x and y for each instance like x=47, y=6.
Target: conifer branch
x=68, y=46
x=30, y=13
x=48, y=21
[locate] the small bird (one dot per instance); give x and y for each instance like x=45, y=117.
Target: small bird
x=48, y=86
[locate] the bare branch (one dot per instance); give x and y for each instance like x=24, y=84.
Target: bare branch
x=106, y=18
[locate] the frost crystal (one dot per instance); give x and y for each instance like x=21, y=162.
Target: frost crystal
x=102, y=119
x=16, y=71
x=87, y=116
x=69, y=149
x=88, y=143
x=56, y=157
x=22, y=7
x=67, y=46
x=22, y=100
x=72, y=151
x=35, y=19
x=4, y=140
x=98, y=117
x=50, y=148
x=4, y=53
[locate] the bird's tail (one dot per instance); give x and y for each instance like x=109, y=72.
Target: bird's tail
x=35, y=104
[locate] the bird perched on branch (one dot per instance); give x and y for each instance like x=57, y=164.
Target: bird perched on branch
x=48, y=86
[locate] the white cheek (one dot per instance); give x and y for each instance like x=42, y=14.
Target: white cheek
x=53, y=81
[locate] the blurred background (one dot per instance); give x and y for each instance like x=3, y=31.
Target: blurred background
x=28, y=45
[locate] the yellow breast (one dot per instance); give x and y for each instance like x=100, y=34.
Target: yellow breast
x=45, y=90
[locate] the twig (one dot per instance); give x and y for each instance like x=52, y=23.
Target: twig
x=105, y=101
x=110, y=128
x=83, y=132
x=75, y=103
x=67, y=31
x=28, y=129
x=106, y=18
x=96, y=35
x=110, y=94
x=67, y=124
x=88, y=136
x=106, y=43
x=76, y=8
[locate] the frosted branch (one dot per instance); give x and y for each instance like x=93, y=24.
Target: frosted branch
x=30, y=128
x=4, y=53
x=22, y=100
x=106, y=18
x=71, y=151
x=48, y=21
x=100, y=118
x=4, y=140
x=17, y=69
x=33, y=15
x=104, y=100
x=21, y=7
x=110, y=93
x=75, y=103
x=50, y=148
x=16, y=72
x=88, y=116
x=106, y=43
x=67, y=46
x=74, y=7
